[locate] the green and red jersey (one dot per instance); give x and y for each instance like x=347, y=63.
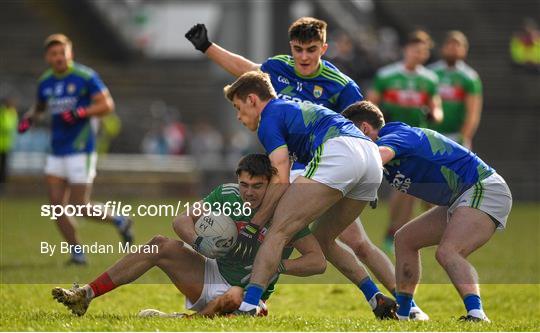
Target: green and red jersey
x=232, y=269
x=405, y=95
x=455, y=84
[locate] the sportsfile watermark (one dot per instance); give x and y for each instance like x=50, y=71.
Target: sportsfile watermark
x=118, y=208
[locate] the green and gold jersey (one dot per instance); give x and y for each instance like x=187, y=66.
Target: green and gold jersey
x=455, y=84
x=231, y=268
x=405, y=94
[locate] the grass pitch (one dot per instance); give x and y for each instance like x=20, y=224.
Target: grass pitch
x=509, y=267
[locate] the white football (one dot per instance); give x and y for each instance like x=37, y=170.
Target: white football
x=222, y=226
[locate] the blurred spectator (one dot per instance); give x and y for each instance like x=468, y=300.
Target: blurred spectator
x=206, y=144
x=109, y=128
x=388, y=45
x=167, y=134
x=525, y=47
x=8, y=126
x=351, y=61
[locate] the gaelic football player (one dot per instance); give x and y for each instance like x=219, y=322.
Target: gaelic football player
x=211, y=286
x=407, y=91
x=73, y=94
x=460, y=89
x=343, y=173
x=472, y=201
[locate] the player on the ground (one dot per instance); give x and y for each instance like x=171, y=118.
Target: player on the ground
x=73, y=94
x=211, y=286
x=306, y=78
x=343, y=173
x=407, y=91
x=460, y=89
x=472, y=202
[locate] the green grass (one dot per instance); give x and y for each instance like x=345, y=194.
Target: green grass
x=509, y=267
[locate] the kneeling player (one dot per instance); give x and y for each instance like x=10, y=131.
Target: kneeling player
x=473, y=201
x=208, y=284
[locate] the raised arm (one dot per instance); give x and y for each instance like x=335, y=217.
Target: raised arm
x=231, y=62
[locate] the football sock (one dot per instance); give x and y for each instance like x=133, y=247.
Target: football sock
x=369, y=289
x=252, y=297
x=103, y=284
x=404, y=302
x=413, y=304
x=473, y=304
x=78, y=254
x=119, y=221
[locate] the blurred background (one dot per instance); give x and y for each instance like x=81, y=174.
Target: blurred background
x=174, y=131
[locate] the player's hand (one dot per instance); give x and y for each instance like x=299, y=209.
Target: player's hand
x=24, y=125
x=198, y=36
x=72, y=116
x=246, y=242
x=281, y=269
x=207, y=247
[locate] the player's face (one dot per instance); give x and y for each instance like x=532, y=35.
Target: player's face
x=453, y=50
x=247, y=112
x=416, y=54
x=58, y=56
x=252, y=189
x=307, y=56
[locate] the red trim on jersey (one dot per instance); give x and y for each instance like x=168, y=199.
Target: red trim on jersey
x=406, y=98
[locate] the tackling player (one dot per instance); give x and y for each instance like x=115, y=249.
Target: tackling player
x=343, y=173
x=73, y=94
x=306, y=78
x=407, y=91
x=211, y=286
x=472, y=202
x=460, y=89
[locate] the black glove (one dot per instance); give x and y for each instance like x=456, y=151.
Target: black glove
x=198, y=36
x=246, y=242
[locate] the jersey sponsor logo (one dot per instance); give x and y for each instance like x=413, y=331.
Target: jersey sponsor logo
x=451, y=93
x=283, y=80
x=401, y=182
x=59, y=105
x=407, y=98
x=297, y=100
x=317, y=91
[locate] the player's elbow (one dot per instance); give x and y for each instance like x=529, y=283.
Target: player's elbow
x=110, y=106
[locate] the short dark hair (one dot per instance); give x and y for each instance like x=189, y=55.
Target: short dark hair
x=364, y=111
x=256, y=165
x=308, y=29
x=253, y=82
x=419, y=37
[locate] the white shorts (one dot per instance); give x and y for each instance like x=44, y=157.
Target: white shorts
x=215, y=285
x=75, y=168
x=491, y=195
x=351, y=165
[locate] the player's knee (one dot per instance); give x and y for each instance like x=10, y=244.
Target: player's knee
x=402, y=240
x=362, y=249
x=232, y=299
x=445, y=253
x=161, y=242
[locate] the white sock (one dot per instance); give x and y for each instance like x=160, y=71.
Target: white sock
x=373, y=301
x=89, y=292
x=477, y=313
x=246, y=307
